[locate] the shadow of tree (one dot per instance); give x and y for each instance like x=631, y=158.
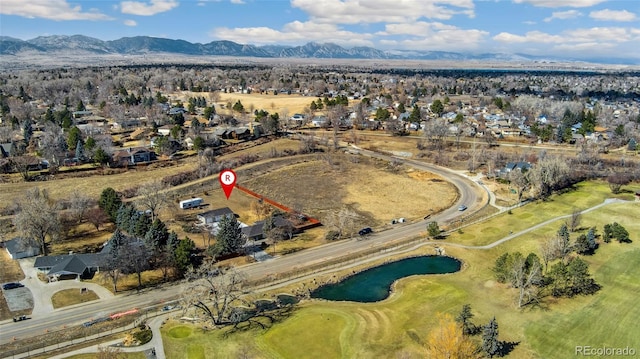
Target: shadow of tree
x=263, y=320
x=507, y=347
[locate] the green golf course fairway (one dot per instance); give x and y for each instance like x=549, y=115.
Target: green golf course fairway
x=399, y=325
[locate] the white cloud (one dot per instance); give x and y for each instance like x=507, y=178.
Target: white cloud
x=130, y=23
x=147, y=9
x=374, y=11
x=237, y=1
x=531, y=36
x=612, y=15
x=560, y=3
x=529, y=22
x=293, y=33
x=597, y=34
x=49, y=9
x=596, y=41
x=563, y=15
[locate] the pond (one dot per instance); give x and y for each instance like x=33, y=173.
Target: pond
x=374, y=284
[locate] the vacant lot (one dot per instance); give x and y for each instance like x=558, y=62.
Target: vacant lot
x=371, y=189
x=92, y=185
x=399, y=325
x=268, y=102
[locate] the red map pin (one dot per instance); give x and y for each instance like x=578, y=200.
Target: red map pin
x=227, y=181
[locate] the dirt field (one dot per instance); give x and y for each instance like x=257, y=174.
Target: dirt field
x=367, y=187
x=269, y=102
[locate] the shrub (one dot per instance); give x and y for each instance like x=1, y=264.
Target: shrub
x=143, y=336
x=332, y=235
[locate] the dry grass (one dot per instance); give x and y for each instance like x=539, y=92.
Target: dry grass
x=368, y=187
x=67, y=297
x=83, y=238
x=269, y=102
x=92, y=185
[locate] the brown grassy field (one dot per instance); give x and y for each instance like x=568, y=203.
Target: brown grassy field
x=92, y=185
x=269, y=102
x=367, y=187
x=255, y=101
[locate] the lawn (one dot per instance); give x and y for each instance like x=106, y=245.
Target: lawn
x=584, y=195
x=399, y=325
x=67, y=297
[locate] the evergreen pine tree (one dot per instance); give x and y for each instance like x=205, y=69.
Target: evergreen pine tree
x=229, y=238
x=490, y=344
x=157, y=236
x=464, y=319
x=80, y=150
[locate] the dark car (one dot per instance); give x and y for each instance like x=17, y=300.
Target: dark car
x=14, y=285
x=20, y=318
x=365, y=231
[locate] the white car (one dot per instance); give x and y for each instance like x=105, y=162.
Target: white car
x=462, y=208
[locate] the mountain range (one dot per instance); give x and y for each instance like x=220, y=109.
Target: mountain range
x=139, y=45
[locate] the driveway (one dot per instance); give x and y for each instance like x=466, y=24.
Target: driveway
x=42, y=291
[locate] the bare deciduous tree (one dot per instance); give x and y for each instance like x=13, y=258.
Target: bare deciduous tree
x=435, y=132
x=38, y=217
x=343, y=221
x=152, y=197
x=79, y=205
x=97, y=217
x=213, y=293
x=550, y=173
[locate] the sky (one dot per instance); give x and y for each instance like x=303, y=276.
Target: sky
x=567, y=28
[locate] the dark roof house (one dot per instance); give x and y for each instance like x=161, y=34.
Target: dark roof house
x=71, y=265
x=22, y=248
x=132, y=156
x=254, y=232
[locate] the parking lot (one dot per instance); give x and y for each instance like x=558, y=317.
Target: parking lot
x=18, y=299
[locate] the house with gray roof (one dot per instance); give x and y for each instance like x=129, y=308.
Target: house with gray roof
x=71, y=266
x=22, y=248
x=215, y=215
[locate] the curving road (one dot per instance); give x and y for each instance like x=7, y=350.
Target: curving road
x=470, y=194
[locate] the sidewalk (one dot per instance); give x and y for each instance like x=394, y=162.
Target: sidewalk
x=156, y=343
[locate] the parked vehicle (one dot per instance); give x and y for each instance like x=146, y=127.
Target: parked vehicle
x=191, y=203
x=20, y=318
x=12, y=285
x=365, y=231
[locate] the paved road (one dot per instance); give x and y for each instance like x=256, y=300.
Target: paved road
x=472, y=195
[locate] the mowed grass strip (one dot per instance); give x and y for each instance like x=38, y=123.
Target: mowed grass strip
x=67, y=297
